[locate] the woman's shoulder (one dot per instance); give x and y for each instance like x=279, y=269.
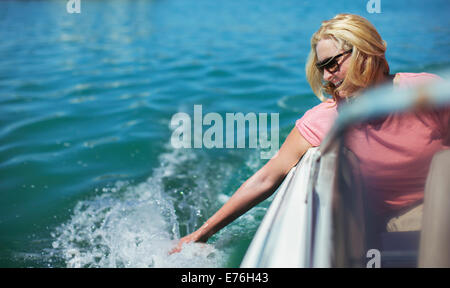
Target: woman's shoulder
x=317, y=121
x=327, y=107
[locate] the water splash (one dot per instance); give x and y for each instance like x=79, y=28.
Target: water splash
x=133, y=225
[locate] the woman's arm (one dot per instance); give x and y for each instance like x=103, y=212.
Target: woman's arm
x=257, y=188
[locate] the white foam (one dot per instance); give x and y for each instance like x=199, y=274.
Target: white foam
x=136, y=225
x=131, y=226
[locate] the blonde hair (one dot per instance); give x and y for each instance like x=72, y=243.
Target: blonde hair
x=368, y=64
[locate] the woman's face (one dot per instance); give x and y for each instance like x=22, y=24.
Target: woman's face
x=327, y=48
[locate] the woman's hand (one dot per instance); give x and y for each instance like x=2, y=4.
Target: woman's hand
x=193, y=237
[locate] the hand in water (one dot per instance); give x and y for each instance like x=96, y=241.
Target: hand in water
x=179, y=246
x=193, y=237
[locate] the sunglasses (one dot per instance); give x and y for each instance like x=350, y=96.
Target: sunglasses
x=331, y=64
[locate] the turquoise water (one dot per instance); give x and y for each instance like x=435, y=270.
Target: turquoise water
x=88, y=177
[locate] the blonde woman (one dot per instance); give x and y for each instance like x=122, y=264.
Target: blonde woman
x=347, y=56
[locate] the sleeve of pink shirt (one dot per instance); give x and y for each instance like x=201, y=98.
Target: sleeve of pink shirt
x=316, y=122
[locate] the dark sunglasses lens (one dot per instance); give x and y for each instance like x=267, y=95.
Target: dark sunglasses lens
x=332, y=66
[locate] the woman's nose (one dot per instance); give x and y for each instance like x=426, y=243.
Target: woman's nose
x=327, y=75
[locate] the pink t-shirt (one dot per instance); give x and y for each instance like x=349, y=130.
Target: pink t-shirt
x=394, y=156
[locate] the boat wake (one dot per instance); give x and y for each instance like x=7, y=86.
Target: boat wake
x=135, y=225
